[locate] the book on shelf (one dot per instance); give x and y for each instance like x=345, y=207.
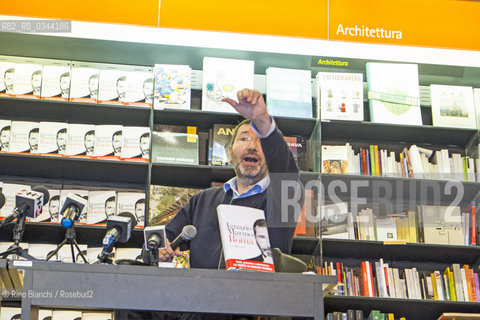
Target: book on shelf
x=97, y=315
x=92, y=254
x=222, y=134
x=166, y=201
x=9, y=190
x=298, y=147
x=453, y=106
x=335, y=159
x=333, y=220
x=441, y=224
x=11, y=313
x=393, y=93
x=50, y=210
x=24, y=136
x=108, y=140
x=459, y=316
x=80, y=139
x=244, y=235
x=136, y=142
x=84, y=82
x=58, y=314
x=223, y=78
x=175, y=144
x=133, y=202
x=5, y=131
x=101, y=206
x=386, y=228
x=340, y=96
x=53, y=137
x=56, y=80
x=172, y=86
x=7, y=74
x=27, y=79
x=306, y=225
x=63, y=196
x=289, y=92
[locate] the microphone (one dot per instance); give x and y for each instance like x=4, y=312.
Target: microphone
x=71, y=209
x=28, y=203
x=188, y=233
x=119, y=230
x=154, y=237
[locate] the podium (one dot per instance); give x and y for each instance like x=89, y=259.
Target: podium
x=78, y=286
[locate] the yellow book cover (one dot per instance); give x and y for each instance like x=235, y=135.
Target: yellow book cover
x=434, y=285
x=412, y=226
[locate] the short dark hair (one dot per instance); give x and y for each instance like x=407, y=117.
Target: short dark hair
x=34, y=130
x=235, y=130
x=63, y=130
x=140, y=201
x=259, y=223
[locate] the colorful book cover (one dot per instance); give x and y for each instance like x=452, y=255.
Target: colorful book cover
x=223, y=78
x=394, y=94
x=453, y=106
x=340, y=96
x=289, y=92
x=298, y=147
x=245, y=241
x=222, y=134
x=173, y=85
x=334, y=159
x=175, y=144
x=166, y=201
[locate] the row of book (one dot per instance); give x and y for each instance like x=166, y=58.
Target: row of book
x=394, y=97
x=101, y=204
x=75, y=139
x=428, y=224
x=378, y=279
x=359, y=315
x=11, y=313
x=414, y=162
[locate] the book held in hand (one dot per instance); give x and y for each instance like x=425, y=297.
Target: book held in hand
x=245, y=241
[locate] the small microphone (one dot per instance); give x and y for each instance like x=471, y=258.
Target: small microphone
x=154, y=237
x=71, y=209
x=28, y=203
x=119, y=230
x=188, y=233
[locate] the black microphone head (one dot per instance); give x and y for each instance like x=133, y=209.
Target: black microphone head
x=2, y=200
x=131, y=216
x=189, y=232
x=46, y=194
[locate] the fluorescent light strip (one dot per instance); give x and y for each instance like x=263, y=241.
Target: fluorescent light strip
x=262, y=43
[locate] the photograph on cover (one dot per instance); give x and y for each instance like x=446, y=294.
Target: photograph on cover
x=261, y=238
x=7, y=71
x=5, y=128
x=8, y=80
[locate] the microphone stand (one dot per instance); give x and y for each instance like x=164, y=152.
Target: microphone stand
x=104, y=256
x=70, y=238
x=17, y=237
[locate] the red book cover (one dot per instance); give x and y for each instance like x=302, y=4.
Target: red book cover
x=364, y=162
x=363, y=279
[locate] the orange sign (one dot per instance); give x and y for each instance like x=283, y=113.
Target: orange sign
x=305, y=19
x=430, y=23
x=143, y=12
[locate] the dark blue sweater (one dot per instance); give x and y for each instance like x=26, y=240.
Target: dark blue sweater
x=201, y=212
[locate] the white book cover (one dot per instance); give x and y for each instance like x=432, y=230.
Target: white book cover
x=136, y=142
x=84, y=82
x=10, y=313
x=24, y=136
x=97, y=315
x=7, y=75
x=128, y=253
x=9, y=190
x=386, y=229
x=80, y=139
x=51, y=209
x=476, y=101
x=66, y=315
x=79, y=192
x=416, y=162
x=53, y=137
x=45, y=314
x=5, y=132
x=108, y=140
x=335, y=159
x=442, y=224
x=394, y=93
x=289, y=92
x=40, y=251
x=173, y=85
x=56, y=81
x=223, y=78
x=133, y=202
x=92, y=254
x=333, y=223
x=112, y=85
x=27, y=80
x=245, y=241
x=453, y=106
x=340, y=96
x=101, y=206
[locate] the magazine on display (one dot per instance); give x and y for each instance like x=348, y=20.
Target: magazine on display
x=453, y=106
x=56, y=81
x=245, y=241
x=84, y=82
x=340, y=96
x=222, y=78
x=24, y=136
x=172, y=86
x=289, y=92
x=53, y=137
x=394, y=93
x=80, y=139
